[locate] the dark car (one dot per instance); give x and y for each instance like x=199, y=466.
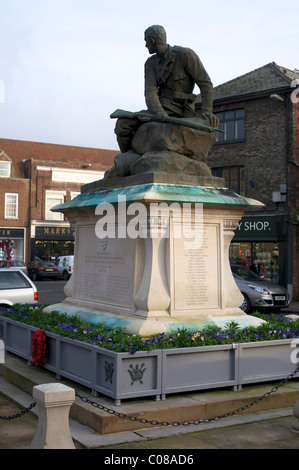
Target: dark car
x=38, y=270
x=258, y=293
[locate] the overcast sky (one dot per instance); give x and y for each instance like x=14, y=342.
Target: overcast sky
x=66, y=65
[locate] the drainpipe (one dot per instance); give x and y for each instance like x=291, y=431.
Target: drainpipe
x=289, y=159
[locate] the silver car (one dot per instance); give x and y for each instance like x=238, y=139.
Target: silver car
x=16, y=288
x=258, y=293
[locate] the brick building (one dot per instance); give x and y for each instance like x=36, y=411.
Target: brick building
x=258, y=156
x=35, y=177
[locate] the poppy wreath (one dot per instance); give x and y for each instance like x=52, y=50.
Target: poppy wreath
x=39, y=348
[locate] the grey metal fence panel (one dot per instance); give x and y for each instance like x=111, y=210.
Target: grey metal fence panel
x=75, y=361
x=52, y=352
x=265, y=361
x=122, y=375
x=186, y=369
x=17, y=338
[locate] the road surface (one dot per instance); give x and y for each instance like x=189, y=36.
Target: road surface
x=50, y=292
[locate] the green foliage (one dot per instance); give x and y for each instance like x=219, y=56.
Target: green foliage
x=118, y=340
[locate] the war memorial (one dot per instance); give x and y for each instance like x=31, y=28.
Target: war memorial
x=152, y=254
x=152, y=237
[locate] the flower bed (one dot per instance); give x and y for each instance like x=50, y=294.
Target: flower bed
x=275, y=328
x=125, y=366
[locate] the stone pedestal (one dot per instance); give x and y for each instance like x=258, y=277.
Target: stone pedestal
x=148, y=275
x=54, y=402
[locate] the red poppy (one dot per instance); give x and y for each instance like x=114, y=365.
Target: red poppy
x=39, y=348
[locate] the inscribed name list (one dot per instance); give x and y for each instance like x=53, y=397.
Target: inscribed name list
x=106, y=269
x=196, y=272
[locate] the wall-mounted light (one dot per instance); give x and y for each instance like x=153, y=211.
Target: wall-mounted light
x=283, y=188
x=276, y=196
x=281, y=195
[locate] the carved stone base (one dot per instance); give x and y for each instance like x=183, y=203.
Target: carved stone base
x=155, y=278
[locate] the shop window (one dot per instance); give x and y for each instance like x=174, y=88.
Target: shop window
x=11, y=206
x=266, y=252
x=53, y=198
x=11, y=250
x=232, y=123
x=234, y=177
x=50, y=250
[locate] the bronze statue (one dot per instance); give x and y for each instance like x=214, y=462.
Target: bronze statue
x=170, y=77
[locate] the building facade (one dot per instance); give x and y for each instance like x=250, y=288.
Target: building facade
x=258, y=155
x=35, y=177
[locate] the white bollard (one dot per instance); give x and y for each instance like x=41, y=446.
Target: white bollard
x=54, y=402
x=295, y=426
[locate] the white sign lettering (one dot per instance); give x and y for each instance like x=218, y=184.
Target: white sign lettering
x=256, y=225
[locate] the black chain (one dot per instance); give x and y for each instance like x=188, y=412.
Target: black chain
x=154, y=422
x=186, y=423
x=20, y=414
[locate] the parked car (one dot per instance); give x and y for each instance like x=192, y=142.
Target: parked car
x=65, y=265
x=258, y=293
x=16, y=288
x=14, y=264
x=38, y=270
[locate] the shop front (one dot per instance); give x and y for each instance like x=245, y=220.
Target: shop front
x=49, y=242
x=12, y=244
x=264, y=237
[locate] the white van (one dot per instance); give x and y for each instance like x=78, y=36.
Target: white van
x=65, y=266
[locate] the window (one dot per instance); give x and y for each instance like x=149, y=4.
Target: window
x=234, y=178
x=11, y=206
x=13, y=280
x=267, y=253
x=53, y=198
x=232, y=123
x=5, y=169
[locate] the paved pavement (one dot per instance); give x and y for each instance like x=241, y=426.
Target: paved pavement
x=267, y=428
